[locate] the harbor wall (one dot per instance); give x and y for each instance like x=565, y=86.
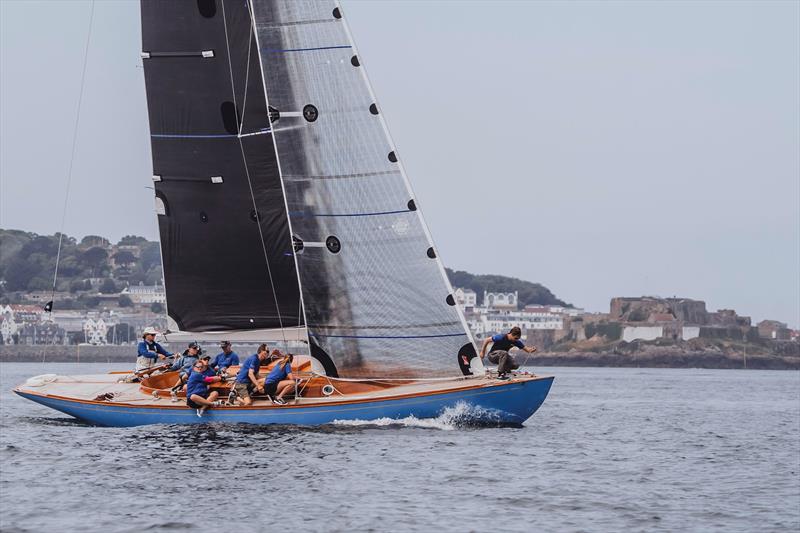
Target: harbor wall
x=68, y=354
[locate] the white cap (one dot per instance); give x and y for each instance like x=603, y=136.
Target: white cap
x=149, y=331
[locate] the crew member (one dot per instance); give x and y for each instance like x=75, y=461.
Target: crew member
x=280, y=380
x=225, y=359
x=247, y=378
x=197, y=394
x=184, y=365
x=499, y=355
x=149, y=351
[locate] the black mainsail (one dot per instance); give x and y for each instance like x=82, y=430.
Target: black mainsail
x=226, y=247
x=271, y=95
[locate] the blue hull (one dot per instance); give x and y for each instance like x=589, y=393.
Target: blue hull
x=504, y=404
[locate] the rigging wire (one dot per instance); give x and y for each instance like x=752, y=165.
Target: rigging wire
x=72, y=154
x=49, y=305
x=247, y=170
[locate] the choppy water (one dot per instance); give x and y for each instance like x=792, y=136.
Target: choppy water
x=610, y=450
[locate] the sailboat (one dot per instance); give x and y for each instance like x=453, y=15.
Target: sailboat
x=286, y=216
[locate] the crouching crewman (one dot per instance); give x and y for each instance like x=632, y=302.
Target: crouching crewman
x=197, y=394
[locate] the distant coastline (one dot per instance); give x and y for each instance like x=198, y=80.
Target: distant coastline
x=658, y=358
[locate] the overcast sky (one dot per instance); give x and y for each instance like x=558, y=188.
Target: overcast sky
x=600, y=148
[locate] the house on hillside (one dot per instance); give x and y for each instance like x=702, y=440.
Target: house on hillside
x=146, y=294
x=466, y=298
x=500, y=300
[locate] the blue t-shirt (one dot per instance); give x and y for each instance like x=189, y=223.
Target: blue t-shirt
x=251, y=363
x=150, y=350
x=196, y=385
x=184, y=363
x=223, y=360
x=278, y=374
x=502, y=342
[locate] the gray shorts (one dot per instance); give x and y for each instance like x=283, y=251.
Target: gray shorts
x=244, y=390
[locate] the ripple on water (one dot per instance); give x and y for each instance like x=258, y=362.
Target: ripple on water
x=611, y=449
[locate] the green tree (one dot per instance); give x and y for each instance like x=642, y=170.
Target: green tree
x=108, y=286
x=150, y=256
x=95, y=258
x=156, y=307
x=124, y=301
x=90, y=302
x=68, y=266
x=46, y=246
x=19, y=273
x=131, y=240
x=124, y=257
x=66, y=240
x=153, y=277
x=40, y=283
x=95, y=240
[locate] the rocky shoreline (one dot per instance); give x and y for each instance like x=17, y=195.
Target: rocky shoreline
x=666, y=359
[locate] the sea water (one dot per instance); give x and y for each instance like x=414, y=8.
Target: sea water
x=610, y=450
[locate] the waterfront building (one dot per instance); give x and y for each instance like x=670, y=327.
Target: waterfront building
x=500, y=300
x=47, y=333
x=146, y=294
x=466, y=298
x=8, y=329
x=95, y=331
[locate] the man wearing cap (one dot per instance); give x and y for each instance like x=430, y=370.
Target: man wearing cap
x=225, y=359
x=149, y=351
x=184, y=365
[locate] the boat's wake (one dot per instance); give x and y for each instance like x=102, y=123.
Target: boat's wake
x=460, y=416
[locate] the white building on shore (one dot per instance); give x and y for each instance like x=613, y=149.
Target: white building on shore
x=146, y=294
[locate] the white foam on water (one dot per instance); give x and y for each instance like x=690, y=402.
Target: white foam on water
x=460, y=415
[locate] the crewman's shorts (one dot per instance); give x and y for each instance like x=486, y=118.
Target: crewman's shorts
x=271, y=389
x=244, y=390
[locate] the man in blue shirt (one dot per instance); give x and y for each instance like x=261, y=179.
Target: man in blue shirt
x=184, y=365
x=247, y=378
x=197, y=394
x=225, y=359
x=280, y=380
x=499, y=355
x=149, y=351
